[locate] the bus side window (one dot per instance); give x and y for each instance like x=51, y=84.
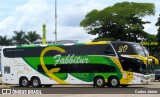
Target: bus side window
x=109, y=51
x=6, y=70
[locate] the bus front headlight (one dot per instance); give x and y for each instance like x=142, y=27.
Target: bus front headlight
x=146, y=77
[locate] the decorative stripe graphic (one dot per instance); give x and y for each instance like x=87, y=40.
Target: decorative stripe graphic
x=50, y=72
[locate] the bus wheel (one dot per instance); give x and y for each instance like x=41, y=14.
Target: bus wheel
x=113, y=82
x=35, y=81
x=23, y=82
x=99, y=82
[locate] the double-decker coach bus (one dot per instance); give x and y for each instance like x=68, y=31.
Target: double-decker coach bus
x=99, y=63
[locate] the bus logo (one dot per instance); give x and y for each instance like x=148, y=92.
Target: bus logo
x=70, y=59
x=123, y=48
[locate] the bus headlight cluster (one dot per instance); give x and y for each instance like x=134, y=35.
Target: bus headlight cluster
x=146, y=77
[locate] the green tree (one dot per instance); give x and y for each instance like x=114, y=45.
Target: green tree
x=5, y=41
x=122, y=21
x=32, y=36
x=158, y=34
x=19, y=38
x=152, y=48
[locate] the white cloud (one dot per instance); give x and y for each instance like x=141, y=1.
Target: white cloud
x=72, y=32
x=28, y=17
x=32, y=8
x=70, y=19
x=34, y=13
x=150, y=27
x=76, y=11
x=6, y=22
x=6, y=25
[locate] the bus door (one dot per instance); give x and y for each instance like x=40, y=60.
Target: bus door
x=10, y=74
x=13, y=74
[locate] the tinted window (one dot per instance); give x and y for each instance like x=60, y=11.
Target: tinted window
x=133, y=65
x=140, y=50
x=99, y=49
x=124, y=48
x=6, y=70
x=157, y=71
x=81, y=68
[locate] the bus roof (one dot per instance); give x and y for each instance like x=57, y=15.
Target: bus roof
x=83, y=43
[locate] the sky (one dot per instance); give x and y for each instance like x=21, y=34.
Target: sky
x=30, y=15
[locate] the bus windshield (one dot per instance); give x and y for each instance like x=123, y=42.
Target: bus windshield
x=151, y=66
x=139, y=50
x=146, y=51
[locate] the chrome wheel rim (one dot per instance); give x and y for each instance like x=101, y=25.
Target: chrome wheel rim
x=35, y=82
x=100, y=82
x=24, y=82
x=114, y=82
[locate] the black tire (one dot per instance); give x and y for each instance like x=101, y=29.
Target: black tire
x=23, y=82
x=35, y=82
x=113, y=82
x=99, y=82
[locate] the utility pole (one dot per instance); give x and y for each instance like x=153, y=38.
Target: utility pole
x=55, y=21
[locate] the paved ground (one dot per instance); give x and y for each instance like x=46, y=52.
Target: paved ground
x=84, y=95
x=155, y=84
x=89, y=91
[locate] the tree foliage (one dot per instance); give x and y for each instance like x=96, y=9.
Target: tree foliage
x=20, y=38
x=5, y=41
x=122, y=21
x=32, y=36
x=158, y=34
